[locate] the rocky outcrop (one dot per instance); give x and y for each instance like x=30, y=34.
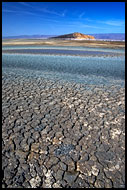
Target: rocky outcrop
x=75, y=35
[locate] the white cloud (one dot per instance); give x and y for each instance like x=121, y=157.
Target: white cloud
x=114, y=22
x=82, y=14
x=25, y=4
x=29, y=13
x=46, y=10
x=80, y=24
x=107, y=22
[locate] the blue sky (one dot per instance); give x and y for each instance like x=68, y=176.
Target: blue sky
x=56, y=18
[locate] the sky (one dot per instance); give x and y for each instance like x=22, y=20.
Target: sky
x=57, y=18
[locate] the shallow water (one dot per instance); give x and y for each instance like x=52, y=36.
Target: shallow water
x=58, y=51
x=82, y=51
x=64, y=48
x=86, y=70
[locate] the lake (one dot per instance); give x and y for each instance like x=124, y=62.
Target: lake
x=90, y=66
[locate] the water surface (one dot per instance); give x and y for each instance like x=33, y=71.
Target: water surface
x=88, y=69
x=82, y=51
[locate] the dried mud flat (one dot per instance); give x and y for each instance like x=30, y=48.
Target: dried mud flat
x=62, y=134
x=59, y=42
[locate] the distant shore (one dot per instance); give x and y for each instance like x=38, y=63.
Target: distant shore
x=59, y=42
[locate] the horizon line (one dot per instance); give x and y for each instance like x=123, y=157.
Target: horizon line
x=60, y=34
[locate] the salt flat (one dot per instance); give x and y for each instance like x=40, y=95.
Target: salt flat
x=88, y=43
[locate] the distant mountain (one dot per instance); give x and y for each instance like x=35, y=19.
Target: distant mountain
x=29, y=37
x=110, y=36
x=75, y=35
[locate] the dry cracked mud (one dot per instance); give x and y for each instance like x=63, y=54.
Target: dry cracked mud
x=58, y=135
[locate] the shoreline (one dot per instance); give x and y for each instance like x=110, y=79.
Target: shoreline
x=84, y=43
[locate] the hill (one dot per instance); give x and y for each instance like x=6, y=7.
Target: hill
x=75, y=35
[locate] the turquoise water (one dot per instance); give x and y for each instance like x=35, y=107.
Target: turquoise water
x=85, y=70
